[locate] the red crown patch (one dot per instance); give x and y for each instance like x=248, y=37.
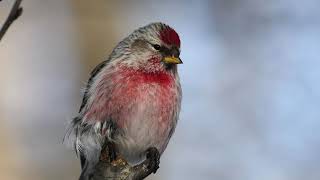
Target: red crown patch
x=170, y=36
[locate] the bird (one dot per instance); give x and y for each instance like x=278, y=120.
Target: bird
x=131, y=102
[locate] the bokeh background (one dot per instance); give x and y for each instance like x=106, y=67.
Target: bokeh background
x=250, y=80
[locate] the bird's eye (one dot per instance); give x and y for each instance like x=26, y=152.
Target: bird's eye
x=156, y=47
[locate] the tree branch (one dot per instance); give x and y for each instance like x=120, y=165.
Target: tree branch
x=120, y=169
x=15, y=13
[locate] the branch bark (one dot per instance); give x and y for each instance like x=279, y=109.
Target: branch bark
x=15, y=13
x=120, y=169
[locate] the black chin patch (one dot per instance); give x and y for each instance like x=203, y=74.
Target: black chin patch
x=169, y=67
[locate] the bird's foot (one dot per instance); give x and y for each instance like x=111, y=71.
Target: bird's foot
x=148, y=166
x=153, y=156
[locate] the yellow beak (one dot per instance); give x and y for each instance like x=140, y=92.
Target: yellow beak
x=172, y=60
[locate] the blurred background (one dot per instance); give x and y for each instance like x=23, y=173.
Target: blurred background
x=250, y=80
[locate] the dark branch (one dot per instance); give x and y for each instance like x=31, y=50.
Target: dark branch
x=15, y=13
x=120, y=169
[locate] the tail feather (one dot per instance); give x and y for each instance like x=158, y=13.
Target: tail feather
x=87, y=142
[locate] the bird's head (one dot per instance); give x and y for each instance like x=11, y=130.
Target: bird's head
x=155, y=47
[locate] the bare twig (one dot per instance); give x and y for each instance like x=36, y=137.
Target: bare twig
x=15, y=12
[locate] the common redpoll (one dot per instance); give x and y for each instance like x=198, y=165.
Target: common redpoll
x=132, y=100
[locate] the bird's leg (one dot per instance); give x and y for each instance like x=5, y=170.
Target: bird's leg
x=150, y=165
x=109, y=152
x=112, y=153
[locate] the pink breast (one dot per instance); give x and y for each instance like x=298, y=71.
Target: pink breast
x=119, y=94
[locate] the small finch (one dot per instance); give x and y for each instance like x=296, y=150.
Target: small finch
x=132, y=101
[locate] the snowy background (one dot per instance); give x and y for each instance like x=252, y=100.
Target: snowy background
x=250, y=79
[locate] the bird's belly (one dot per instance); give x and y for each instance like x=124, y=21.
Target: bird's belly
x=147, y=123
